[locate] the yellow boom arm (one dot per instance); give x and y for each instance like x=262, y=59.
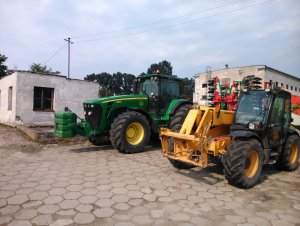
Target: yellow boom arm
x=205, y=131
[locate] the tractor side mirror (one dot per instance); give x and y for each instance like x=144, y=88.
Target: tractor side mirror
x=134, y=86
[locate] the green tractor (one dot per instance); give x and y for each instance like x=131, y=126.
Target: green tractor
x=130, y=120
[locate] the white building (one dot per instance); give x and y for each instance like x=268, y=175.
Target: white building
x=228, y=75
x=31, y=99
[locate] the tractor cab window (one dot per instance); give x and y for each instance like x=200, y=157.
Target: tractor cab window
x=281, y=111
x=252, y=107
x=148, y=87
x=169, y=88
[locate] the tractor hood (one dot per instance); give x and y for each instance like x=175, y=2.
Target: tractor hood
x=119, y=98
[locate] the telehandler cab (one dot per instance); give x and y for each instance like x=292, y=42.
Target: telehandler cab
x=257, y=133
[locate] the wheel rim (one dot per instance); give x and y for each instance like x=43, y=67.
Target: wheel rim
x=294, y=152
x=251, y=164
x=135, y=133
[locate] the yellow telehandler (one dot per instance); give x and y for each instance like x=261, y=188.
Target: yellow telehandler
x=258, y=132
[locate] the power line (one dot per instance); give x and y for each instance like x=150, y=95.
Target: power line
x=60, y=49
x=157, y=22
x=174, y=25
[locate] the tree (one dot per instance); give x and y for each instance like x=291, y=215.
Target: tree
x=3, y=68
x=164, y=67
x=188, y=88
x=39, y=68
x=115, y=84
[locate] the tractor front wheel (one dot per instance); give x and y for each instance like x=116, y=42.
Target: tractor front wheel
x=289, y=157
x=130, y=132
x=243, y=162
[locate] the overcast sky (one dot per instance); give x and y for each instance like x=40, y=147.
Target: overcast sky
x=129, y=35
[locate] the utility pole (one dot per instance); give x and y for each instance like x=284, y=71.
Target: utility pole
x=69, y=44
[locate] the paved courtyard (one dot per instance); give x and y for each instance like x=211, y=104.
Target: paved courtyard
x=88, y=185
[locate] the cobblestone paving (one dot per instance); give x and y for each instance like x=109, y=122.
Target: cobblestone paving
x=86, y=185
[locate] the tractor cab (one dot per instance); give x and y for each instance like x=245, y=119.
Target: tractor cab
x=161, y=90
x=265, y=114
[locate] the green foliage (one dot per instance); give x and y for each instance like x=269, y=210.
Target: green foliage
x=39, y=68
x=115, y=84
x=188, y=86
x=164, y=67
x=3, y=68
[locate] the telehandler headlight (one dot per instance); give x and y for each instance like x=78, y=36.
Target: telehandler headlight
x=89, y=113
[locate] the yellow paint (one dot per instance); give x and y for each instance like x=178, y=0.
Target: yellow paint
x=135, y=133
x=107, y=101
x=253, y=161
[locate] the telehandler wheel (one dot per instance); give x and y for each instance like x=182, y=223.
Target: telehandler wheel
x=130, y=132
x=243, y=162
x=289, y=157
x=175, y=125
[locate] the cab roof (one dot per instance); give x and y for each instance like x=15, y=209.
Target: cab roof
x=172, y=77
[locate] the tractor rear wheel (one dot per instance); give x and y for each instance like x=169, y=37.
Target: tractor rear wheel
x=130, y=132
x=289, y=157
x=243, y=162
x=175, y=125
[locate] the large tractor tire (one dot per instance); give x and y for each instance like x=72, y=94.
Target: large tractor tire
x=130, y=132
x=289, y=157
x=243, y=162
x=175, y=124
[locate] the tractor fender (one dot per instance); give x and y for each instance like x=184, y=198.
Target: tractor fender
x=240, y=134
x=175, y=104
x=292, y=131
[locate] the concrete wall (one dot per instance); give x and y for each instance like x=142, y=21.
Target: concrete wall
x=8, y=116
x=67, y=92
x=238, y=73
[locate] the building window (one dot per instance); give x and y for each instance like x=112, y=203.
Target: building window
x=204, y=97
x=10, y=89
x=296, y=89
x=276, y=84
x=204, y=85
x=43, y=98
x=291, y=87
x=0, y=98
x=287, y=87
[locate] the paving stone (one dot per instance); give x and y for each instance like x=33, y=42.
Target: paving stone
x=161, y=193
x=178, y=196
x=62, y=222
x=132, y=187
x=4, y=220
x=31, y=204
x=84, y=218
x=104, y=187
x=281, y=223
x=157, y=213
x=44, y=187
x=10, y=187
x=235, y=219
x=72, y=195
x=17, y=199
x=54, y=199
x=38, y=195
x=290, y=218
x=204, y=221
x=42, y=220
x=19, y=223
x=26, y=214
x=24, y=191
x=195, y=199
x=165, y=199
x=74, y=188
x=84, y=208
x=135, y=202
x=87, y=199
x=139, y=210
x=119, y=191
x=135, y=194
x=104, y=212
x=69, y=204
x=89, y=191
x=48, y=209
x=179, y=217
x=104, y=203
x=70, y=212
x=142, y=220
x=258, y=221
x=150, y=197
x=57, y=191
x=121, y=206
x=124, y=223
x=172, y=208
x=146, y=190
x=120, y=198
x=104, y=194
x=9, y=209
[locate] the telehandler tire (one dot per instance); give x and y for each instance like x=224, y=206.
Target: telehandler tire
x=175, y=125
x=243, y=162
x=289, y=157
x=130, y=132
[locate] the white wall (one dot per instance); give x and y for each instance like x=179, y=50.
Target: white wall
x=67, y=93
x=6, y=115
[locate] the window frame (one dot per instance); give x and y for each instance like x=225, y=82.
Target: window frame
x=42, y=99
